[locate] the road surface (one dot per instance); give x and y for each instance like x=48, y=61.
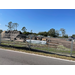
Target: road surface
x=9, y=57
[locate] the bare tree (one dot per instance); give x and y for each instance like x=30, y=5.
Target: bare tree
x=16, y=25
x=10, y=28
x=63, y=31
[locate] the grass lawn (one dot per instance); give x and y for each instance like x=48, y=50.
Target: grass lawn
x=60, y=49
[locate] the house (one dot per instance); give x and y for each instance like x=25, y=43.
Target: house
x=47, y=39
x=21, y=37
x=71, y=38
x=32, y=37
x=5, y=34
x=39, y=37
x=10, y=34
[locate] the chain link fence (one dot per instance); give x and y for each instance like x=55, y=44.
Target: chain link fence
x=55, y=45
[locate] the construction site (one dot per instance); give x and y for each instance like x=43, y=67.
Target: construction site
x=56, y=45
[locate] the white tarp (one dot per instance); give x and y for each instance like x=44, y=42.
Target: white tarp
x=36, y=41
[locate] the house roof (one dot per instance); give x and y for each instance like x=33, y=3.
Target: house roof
x=40, y=36
x=12, y=32
x=46, y=37
x=21, y=36
x=31, y=35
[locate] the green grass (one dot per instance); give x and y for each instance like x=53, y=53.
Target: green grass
x=16, y=45
x=14, y=42
x=54, y=50
x=60, y=49
x=40, y=53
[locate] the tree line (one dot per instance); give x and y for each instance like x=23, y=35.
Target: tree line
x=52, y=32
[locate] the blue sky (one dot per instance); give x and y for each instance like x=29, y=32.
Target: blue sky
x=39, y=20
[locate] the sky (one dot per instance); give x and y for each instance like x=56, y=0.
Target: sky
x=39, y=20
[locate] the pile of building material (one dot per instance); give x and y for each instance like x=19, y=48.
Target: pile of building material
x=36, y=41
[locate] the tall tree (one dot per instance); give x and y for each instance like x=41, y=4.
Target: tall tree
x=51, y=32
x=16, y=25
x=24, y=29
x=57, y=33
x=45, y=33
x=63, y=31
x=10, y=26
x=40, y=33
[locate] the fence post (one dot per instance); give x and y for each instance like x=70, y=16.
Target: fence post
x=71, y=48
x=0, y=38
x=30, y=43
x=48, y=45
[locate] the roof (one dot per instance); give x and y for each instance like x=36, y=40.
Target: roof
x=21, y=36
x=46, y=37
x=12, y=32
x=32, y=35
x=40, y=36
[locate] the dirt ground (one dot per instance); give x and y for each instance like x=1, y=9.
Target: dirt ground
x=63, y=42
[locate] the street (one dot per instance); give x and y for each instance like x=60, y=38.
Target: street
x=9, y=57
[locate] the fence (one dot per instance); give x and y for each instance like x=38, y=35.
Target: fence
x=54, y=45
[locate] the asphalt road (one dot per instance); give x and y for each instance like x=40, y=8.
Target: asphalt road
x=8, y=57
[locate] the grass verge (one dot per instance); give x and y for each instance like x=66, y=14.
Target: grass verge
x=61, y=49
x=40, y=53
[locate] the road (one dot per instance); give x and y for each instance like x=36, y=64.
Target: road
x=9, y=57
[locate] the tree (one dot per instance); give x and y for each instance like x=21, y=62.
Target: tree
x=27, y=33
x=63, y=31
x=40, y=33
x=1, y=31
x=10, y=26
x=51, y=32
x=24, y=29
x=43, y=33
x=35, y=33
x=73, y=35
x=16, y=25
x=65, y=36
x=57, y=33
